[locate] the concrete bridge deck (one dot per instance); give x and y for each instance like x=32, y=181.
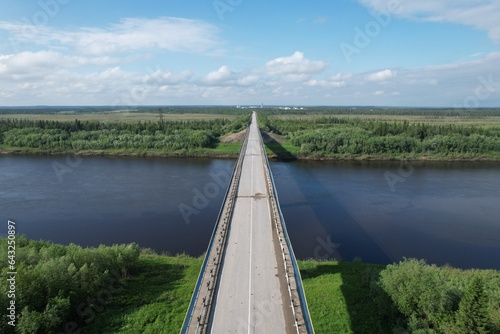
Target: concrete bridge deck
x=249, y=283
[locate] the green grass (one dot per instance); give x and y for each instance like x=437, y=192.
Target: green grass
x=342, y=297
x=156, y=297
x=154, y=300
x=338, y=296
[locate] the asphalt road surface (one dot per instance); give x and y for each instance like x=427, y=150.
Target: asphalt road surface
x=249, y=297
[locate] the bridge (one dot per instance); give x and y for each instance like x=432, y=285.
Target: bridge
x=249, y=281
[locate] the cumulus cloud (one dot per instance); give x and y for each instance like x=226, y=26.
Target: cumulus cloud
x=221, y=75
x=335, y=81
x=131, y=34
x=480, y=14
x=225, y=76
x=381, y=75
x=295, y=64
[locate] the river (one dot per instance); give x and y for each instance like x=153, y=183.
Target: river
x=376, y=212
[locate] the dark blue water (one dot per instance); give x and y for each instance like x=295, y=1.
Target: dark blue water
x=384, y=211
x=377, y=211
x=153, y=202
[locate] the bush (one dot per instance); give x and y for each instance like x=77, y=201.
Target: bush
x=443, y=300
x=56, y=279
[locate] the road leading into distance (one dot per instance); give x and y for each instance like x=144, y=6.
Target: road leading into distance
x=251, y=296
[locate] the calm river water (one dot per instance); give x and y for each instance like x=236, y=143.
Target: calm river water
x=377, y=211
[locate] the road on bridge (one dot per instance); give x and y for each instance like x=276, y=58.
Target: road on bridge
x=251, y=296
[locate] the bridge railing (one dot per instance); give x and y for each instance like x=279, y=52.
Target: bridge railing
x=298, y=279
x=232, y=186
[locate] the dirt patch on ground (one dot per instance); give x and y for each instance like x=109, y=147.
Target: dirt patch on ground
x=234, y=137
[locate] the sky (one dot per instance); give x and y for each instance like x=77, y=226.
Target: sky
x=408, y=53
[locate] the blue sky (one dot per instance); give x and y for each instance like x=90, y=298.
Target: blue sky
x=443, y=53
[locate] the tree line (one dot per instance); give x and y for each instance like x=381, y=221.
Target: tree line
x=331, y=136
x=95, y=135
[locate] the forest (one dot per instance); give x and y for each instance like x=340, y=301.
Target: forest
x=95, y=135
x=330, y=137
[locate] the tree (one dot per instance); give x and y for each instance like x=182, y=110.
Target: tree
x=472, y=315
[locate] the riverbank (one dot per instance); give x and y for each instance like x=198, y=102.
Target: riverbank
x=124, y=289
x=343, y=297
x=231, y=151
x=222, y=150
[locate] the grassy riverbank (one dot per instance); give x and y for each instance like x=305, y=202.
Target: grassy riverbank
x=122, y=289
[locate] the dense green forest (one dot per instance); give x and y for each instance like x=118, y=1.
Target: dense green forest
x=94, y=135
x=343, y=137
x=58, y=286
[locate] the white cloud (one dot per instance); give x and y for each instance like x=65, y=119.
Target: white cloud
x=131, y=34
x=381, y=76
x=294, y=65
x=225, y=76
x=163, y=77
x=221, y=75
x=480, y=14
x=33, y=65
x=50, y=77
x=335, y=81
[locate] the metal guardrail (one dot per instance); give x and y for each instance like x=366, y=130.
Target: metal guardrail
x=226, y=208
x=297, y=279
